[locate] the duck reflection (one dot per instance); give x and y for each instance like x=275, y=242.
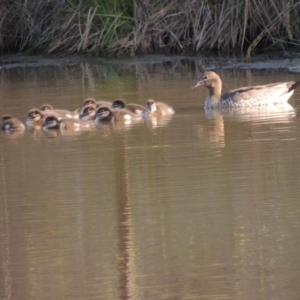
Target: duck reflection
x=158, y=121
x=215, y=129
x=271, y=113
x=12, y=134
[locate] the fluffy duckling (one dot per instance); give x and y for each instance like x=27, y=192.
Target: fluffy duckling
x=36, y=118
x=261, y=95
x=93, y=101
x=53, y=122
x=11, y=124
x=106, y=114
x=158, y=109
x=133, y=107
x=62, y=113
x=87, y=113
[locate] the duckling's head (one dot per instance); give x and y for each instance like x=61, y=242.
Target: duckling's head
x=208, y=79
x=89, y=101
x=34, y=115
x=118, y=103
x=103, y=112
x=150, y=105
x=88, y=112
x=6, y=117
x=46, y=107
x=51, y=122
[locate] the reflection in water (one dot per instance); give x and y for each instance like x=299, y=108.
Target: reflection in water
x=273, y=114
x=214, y=130
x=276, y=113
x=202, y=206
x=11, y=134
x=154, y=121
x=126, y=246
x=6, y=244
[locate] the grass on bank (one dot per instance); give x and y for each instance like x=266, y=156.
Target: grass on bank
x=144, y=26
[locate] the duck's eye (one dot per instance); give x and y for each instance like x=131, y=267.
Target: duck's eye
x=204, y=77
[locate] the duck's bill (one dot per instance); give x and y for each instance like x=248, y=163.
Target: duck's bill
x=198, y=83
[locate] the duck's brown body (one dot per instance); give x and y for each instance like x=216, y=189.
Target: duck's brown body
x=261, y=95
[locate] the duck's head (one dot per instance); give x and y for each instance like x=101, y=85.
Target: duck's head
x=118, y=103
x=51, y=122
x=34, y=115
x=150, y=105
x=103, y=112
x=88, y=112
x=89, y=101
x=209, y=79
x=6, y=117
x=46, y=107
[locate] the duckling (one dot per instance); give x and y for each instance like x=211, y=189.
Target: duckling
x=158, y=109
x=93, y=101
x=260, y=95
x=11, y=124
x=87, y=113
x=53, y=122
x=133, y=107
x=36, y=118
x=106, y=114
x=62, y=113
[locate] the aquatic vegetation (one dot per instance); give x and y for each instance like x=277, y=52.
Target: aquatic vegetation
x=141, y=26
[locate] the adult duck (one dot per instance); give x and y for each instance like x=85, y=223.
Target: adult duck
x=260, y=95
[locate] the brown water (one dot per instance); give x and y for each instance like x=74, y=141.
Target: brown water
x=200, y=207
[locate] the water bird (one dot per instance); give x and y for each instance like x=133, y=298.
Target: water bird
x=133, y=107
x=62, y=113
x=158, y=108
x=53, y=122
x=88, y=112
x=36, y=118
x=261, y=95
x=106, y=114
x=93, y=101
x=9, y=123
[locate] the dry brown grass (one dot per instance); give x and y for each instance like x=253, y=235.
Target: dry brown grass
x=218, y=25
x=147, y=26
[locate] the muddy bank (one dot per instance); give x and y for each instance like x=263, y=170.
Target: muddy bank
x=199, y=62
